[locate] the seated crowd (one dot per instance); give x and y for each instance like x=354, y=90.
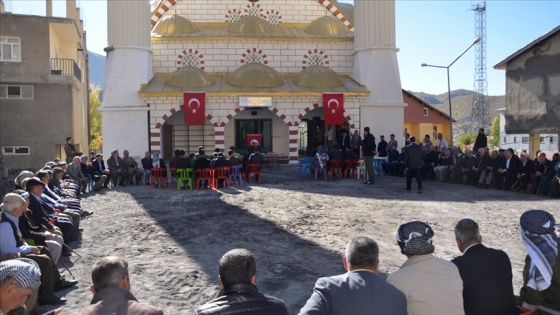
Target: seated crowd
x=498, y=169
x=477, y=282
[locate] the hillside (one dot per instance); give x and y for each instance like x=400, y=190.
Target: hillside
x=461, y=102
x=96, y=69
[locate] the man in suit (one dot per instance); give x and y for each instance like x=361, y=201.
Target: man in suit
x=117, y=169
x=368, y=148
x=509, y=169
x=413, y=163
x=486, y=274
x=526, y=168
x=76, y=174
x=99, y=169
x=360, y=290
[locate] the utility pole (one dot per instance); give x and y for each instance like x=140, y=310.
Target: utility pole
x=480, y=114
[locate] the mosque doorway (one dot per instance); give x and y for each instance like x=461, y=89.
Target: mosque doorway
x=313, y=132
x=176, y=135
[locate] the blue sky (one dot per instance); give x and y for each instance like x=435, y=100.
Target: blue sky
x=433, y=32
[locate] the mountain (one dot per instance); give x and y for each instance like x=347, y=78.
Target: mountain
x=461, y=103
x=96, y=69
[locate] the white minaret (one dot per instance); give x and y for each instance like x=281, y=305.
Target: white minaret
x=376, y=66
x=129, y=65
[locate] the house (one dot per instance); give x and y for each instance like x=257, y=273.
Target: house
x=43, y=87
x=520, y=142
x=261, y=69
x=533, y=92
x=421, y=118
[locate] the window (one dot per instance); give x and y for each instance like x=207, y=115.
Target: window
x=14, y=150
x=504, y=141
x=425, y=112
x=16, y=91
x=434, y=132
x=551, y=140
x=10, y=49
x=524, y=139
x=542, y=139
x=514, y=139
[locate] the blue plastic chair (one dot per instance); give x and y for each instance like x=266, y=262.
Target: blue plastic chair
x=303, y=166
x=378, y=167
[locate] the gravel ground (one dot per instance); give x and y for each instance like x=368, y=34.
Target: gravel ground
x=297, y=229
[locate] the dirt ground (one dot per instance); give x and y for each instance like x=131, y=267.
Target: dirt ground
x=297, y=229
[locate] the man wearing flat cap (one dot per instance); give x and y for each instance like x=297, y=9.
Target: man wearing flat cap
x=541, y=274
x=19, y=278
x=432, y=285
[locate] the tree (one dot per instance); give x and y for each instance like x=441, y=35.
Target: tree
x=466, y=139
x=95, y=119
x=496, y=131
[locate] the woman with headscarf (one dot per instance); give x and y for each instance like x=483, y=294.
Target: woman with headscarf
x=320, y=160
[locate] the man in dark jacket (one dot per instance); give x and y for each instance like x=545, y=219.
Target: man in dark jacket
x=481, y=141
x=486, y=274
x=509, y=169
x=483, y=170
x=239, y=295
x=413, y=163
x=368, y=147
x=382, y=147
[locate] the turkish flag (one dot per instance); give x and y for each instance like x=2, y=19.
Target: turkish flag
x=257, y=137
x=333, y=105
x=194, y=108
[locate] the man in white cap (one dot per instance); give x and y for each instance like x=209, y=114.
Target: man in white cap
x=18, y=280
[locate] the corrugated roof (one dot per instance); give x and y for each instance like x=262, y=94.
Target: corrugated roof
x=502, y=64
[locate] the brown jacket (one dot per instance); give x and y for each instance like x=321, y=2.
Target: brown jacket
x=119, y=302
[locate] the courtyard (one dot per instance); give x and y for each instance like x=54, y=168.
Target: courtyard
x=296, y=227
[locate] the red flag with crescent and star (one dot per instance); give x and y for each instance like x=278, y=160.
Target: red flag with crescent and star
x=194, y=108
x=333, y=104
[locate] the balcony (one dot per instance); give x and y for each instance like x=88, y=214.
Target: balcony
x=66, y=67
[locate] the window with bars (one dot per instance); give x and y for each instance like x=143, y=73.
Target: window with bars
x=253, y=58
x=190, y=60
x=10, y=49
x=315, y=60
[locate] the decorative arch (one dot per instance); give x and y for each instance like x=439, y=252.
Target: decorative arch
x=190, y=58
x=315, y=57
x=315, y=106
x=166, y=5
x=233, y=15
x=254, y=56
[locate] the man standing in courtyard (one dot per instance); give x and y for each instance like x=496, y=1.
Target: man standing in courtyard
x=239, y=295
x=369, y=152
x=486, y=274
x=413, y=163
x=360, y=290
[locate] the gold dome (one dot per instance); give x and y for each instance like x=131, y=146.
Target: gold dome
x=174, y=25
x=318, y=77
x=255, y=75
x=328, y=26
x=252, y=25
x=189, y=77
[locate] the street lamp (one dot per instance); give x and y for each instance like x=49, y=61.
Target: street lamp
x=449, y=85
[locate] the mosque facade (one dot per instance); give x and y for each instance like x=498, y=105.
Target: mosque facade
x=248, y=69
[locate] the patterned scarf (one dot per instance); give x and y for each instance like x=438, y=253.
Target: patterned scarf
x=537, y=231
x=415, y=238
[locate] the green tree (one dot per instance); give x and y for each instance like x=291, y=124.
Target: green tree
x=95, y=119
x=496, y=131
x=466, y=139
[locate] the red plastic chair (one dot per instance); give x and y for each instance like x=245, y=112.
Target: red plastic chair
x=158, y=173
x=254, y=169
x=202, y=174
x=335, y=168
x=221, y=173
x=350, y=168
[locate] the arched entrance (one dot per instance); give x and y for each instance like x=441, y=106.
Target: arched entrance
x=270, y=128
x=176, y=135
x=312, y=132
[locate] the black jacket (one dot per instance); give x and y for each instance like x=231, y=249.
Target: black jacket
x=382, y=148
x=369, y=145
x=487, y=281
x=243, y=299
x=480, y=142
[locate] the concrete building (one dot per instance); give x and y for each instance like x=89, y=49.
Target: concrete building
x=263, y=66
x=421, y=118
x=532, y=110
x=43, y=87
x=520, y=141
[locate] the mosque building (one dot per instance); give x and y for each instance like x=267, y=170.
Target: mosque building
x=217, y=73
